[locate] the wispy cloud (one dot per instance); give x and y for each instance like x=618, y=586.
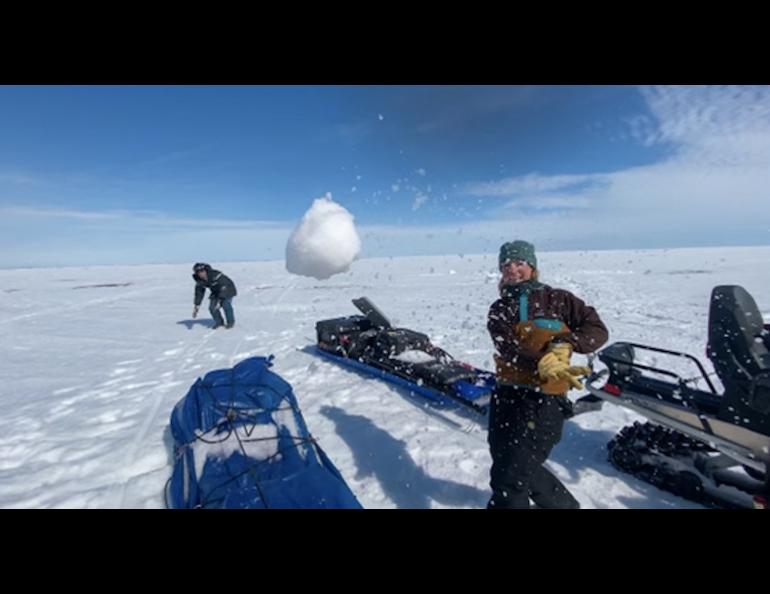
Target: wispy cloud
x=532, y=183
x=643, y=129
x=22, y=212
x=550, y=202
x=695, y=115
x=138, y=218
x=53, y=237
x=17, y=178
x=174, y=156
x=455, y=107
x=714, y=181
x=354, y=132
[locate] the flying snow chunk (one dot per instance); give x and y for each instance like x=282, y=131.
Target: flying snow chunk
x=324, y=243
x=419, y=200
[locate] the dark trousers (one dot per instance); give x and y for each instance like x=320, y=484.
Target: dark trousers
x=524, y=426
x=227, y=305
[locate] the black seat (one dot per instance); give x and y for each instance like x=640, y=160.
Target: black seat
x=736, y=336
x=740, y=355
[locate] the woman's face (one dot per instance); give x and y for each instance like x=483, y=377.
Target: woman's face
x=515, y=272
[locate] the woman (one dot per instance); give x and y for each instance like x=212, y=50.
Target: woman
x=534, y=328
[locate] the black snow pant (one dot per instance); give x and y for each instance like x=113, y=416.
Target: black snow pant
x=524, y=426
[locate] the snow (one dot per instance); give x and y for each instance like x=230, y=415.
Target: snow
x=325, y=241
x=414, y=356
x=260, y=442
x=91, y=375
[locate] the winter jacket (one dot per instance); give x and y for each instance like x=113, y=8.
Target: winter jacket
x=527, y=318
x=219, y=284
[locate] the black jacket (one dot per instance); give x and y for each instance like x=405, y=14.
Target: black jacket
x=219, y=284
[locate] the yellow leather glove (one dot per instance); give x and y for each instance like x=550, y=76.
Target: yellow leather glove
x=562, y=350
x=571, y=374
x=550, y=366
x=555, y=365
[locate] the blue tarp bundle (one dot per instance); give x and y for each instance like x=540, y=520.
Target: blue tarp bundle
x=241, y=442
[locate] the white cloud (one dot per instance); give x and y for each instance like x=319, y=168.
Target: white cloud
x=714, y=182
x=22, y=212
x=135, y=218
x=17, y=179
x=550, y=202
x=693, y=115
x=532, y=183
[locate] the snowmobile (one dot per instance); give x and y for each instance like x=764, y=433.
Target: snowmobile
x=371, y=344
x=708, y=446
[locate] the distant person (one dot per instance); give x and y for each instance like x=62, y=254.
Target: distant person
x=221, y=297
x=534, y=329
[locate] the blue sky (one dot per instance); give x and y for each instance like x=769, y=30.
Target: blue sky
x=128, y=174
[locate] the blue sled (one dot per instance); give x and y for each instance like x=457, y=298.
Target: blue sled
x=240, y=442
x=473, y=394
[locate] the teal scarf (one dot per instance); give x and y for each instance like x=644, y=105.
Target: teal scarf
x=525, y=288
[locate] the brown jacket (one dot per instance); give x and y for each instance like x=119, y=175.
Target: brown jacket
x=521, y=343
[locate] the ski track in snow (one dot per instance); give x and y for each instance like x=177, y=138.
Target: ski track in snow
x=91, y=377
x=141, y=434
